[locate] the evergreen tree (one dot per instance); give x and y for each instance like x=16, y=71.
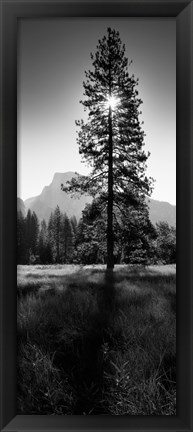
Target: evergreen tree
x=50, y=230
x=21, y=239
x=28, y=235
x=112, y=140
x=138, y=236
x=74, y=224
x=166, y=243
x=67, y=239
x=32, y=232
x=57, y=234
x=90, y=237
x=133, y=240
x=44, y=248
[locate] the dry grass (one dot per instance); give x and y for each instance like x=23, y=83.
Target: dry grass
x=96, y=342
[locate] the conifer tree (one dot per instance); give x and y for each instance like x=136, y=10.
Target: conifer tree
x=67, y=239
x=44, y=247
x=51, y=233
x=166, y=243
x=90, y=236
x=57, y=232
x=21, y=239
x=74, y=224
x=32, y=232
x=111, y=140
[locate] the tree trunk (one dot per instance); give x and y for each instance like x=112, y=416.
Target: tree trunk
x=110, y=258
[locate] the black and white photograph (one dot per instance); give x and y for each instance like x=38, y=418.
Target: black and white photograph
x=96, y=216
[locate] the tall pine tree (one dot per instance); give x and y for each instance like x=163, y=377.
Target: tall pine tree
x=111, y=141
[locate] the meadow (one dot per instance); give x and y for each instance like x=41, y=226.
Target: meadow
x=96, y=342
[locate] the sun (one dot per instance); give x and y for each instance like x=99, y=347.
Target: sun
x=112, y=101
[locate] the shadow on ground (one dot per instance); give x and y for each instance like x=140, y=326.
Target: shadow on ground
x=127, y=311
x=88, y=352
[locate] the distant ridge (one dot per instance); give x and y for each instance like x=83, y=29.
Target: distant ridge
x=21, y=206
x=52, y=195
x=161, y=211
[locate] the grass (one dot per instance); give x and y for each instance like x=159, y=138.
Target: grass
x=94, y=342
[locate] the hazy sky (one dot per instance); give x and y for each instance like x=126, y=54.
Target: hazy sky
x=52, y=57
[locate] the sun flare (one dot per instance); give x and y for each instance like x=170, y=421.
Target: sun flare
x=112, y=101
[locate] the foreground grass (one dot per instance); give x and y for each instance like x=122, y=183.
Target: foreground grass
x=96, y=342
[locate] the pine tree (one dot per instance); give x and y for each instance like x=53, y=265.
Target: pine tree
x=74, y=224
x=166, y=243
x=44, y=247
x=32, y=232
x=111, y=141
x=57, y=234
x=90, y=236
x=28, y=235
x=51, y=240
x=138, y=236
x=67, y=239
x=21, y=239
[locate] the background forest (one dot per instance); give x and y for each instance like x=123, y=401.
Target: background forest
x=65, y=240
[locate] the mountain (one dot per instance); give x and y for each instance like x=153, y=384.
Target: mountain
x=161, y=211
x=52, y=196
x=21, y=206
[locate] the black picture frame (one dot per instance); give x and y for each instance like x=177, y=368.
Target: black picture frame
x=11, y=12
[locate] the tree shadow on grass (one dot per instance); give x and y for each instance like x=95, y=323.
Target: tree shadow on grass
x=76, y=327
x=90, y=375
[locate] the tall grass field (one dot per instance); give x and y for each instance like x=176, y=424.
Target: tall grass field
x=96, y=342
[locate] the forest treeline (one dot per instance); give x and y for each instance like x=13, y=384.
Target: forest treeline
x=64, y=240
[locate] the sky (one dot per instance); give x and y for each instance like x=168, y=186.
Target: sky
x=53, y=55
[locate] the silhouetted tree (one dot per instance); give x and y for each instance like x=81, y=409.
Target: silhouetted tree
x=111, y=140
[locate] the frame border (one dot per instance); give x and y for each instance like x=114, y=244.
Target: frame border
x=10, y=12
